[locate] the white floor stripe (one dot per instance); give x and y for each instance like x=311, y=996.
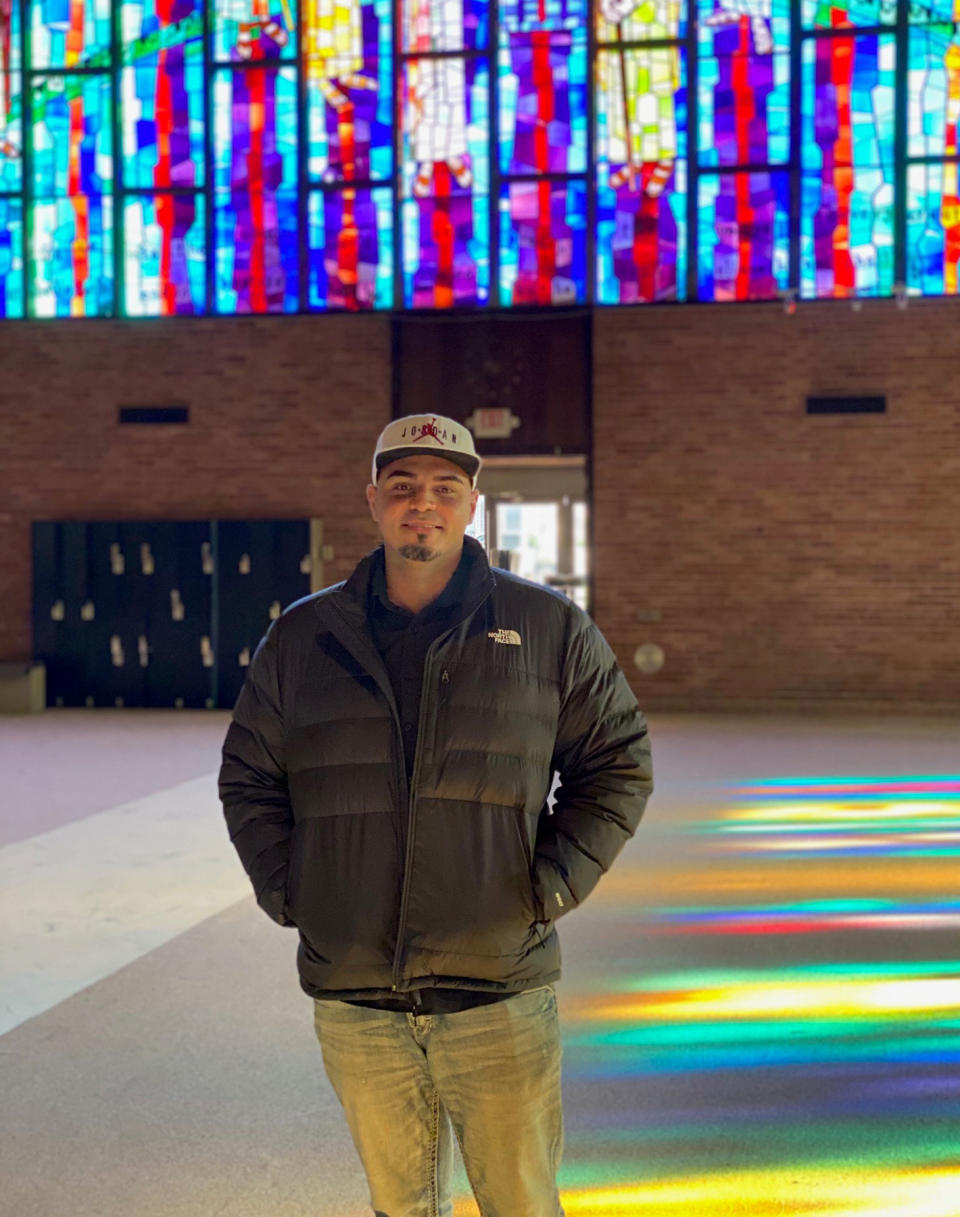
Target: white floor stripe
x=81, y=901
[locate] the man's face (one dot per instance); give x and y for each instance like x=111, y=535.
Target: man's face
x=423, y=505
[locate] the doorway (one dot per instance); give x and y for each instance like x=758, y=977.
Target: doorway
x=533, y=520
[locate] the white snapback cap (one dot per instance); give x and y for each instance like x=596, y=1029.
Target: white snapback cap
x=432, y=434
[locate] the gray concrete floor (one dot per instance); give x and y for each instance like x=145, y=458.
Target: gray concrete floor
x=761, y=1003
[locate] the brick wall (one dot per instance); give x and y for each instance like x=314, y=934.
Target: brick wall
x=787, y=560
x=283, y=412
x=781, y=559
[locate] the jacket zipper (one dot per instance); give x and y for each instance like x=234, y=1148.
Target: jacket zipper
x=411, y=799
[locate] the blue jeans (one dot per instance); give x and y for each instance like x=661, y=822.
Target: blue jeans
x=494, y=1070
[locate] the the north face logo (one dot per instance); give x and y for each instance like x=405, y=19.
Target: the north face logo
x=509, y=638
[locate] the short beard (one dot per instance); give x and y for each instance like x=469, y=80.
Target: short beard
x=417, y=553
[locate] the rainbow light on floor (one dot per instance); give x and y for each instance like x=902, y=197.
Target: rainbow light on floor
x=928, y=1192
x=814, y=1015
x=844, y=817
x=817, y=1089
x=806, y=917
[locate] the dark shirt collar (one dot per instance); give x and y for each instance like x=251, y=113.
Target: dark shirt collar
x=454, y=593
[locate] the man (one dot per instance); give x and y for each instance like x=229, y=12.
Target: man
x=385, y=782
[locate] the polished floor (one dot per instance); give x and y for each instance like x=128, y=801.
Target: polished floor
x=761, y=1002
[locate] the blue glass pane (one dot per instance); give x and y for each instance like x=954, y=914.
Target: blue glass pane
x=744, y=236
x=543, y=102
x=70, y=33
x=351, y=249
x=933, y=229
x=933, y=89
x=255, y=166
x=11, y=257
x=543, y=243
x=165, y=264
x=162, y=98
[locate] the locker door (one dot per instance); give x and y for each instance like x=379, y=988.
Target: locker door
x=261, y=569
x=49, y=608
x=112, y=654
x=291, y=562
x=137, y=541
x=75, y=645
x=195, y=575
x=178, y=618
x=240, y=621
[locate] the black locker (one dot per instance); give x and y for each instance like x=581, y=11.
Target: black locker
x=180, y=673
x=260, y=570
x=75, y=643
x=164, y=614
x=117, y=677
x=49, y=614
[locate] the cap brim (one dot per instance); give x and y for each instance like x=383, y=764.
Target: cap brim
x=469, y=464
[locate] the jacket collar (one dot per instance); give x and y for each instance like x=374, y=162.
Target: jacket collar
x=480, y=582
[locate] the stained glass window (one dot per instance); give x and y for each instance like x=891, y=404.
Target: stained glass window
x=255, y=196
x=69, y=33
x=641, y=151
x=180, y=157
x=165, y=270
x=445, y=173
x=846, y=221
x=11, y=163
x=744, y=222
x=71, y=135
x=847, y=14
x=932, y=252
x=744, y=82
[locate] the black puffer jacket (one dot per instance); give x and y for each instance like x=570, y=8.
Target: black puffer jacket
x=457, y=881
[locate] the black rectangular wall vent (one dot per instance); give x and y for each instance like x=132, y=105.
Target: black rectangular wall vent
x=846, y=405
x=154, y=414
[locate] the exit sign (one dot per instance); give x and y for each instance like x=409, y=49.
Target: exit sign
x=493, y=422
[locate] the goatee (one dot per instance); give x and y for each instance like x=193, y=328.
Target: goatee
x=417, y=553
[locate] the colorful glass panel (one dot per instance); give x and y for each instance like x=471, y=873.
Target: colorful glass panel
x=164, y=254
x=529, y=16
x=349, y=83
x=744, y=82
x=72, y=218
x=255, y=167
x=847, y=14
x=933, y=229
x=11, y=257
x=922, y=12
x=446, y=178
x=641, y=240
x=446, y=250
x=11, y=97
x=640, y=20
x=543, y=243
x=249, y=31
x=70, y=33
x=351, y=249
x=444, y=25
x=846, y=221
x=162, y=96
x=744, y=236
x=933, y=90
x=71, y=267
x=543, y=102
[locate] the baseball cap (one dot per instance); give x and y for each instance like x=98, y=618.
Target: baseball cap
x=432, y=434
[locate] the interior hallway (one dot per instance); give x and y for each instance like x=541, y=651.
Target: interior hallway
x=761, y=1003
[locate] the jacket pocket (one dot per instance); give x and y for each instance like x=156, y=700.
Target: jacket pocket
x=528, y=857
